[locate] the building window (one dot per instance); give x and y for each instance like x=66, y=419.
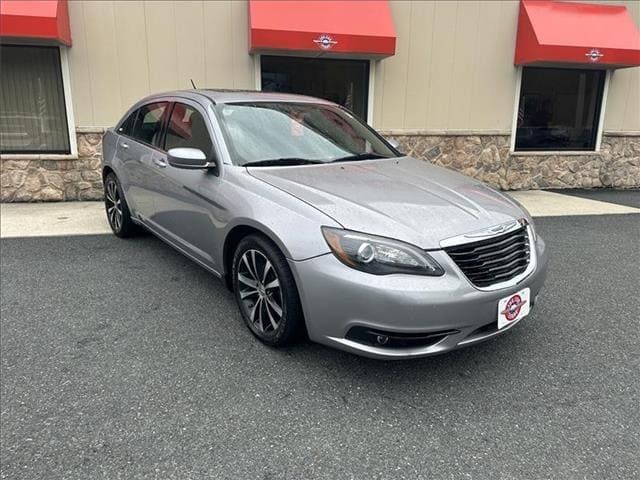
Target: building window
x=33, y=116
x=559, y=109
x=345, y=82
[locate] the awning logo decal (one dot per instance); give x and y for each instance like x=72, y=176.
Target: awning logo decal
x=594, y=55
x=325, y=41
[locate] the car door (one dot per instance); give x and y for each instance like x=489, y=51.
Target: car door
x=138, y=151
x=185, y=206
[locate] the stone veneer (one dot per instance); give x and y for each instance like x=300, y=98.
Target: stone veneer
x=485, y=157
x=42, y=178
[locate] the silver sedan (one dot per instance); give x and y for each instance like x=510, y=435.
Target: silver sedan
x=321, y=227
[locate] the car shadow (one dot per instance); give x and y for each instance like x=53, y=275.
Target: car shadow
x=309, y=358
x=165, y=297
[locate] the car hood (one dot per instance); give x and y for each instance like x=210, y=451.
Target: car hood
x=402, y=198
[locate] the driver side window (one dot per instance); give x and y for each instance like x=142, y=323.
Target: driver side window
x=187, y=129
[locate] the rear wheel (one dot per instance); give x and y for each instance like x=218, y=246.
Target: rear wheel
x=115, y=204
x=266, y=292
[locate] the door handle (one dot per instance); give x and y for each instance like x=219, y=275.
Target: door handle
x=160, y=163
x=124, y=145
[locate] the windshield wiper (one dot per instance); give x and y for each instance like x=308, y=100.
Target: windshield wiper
x=361, y=156
x=280, y=162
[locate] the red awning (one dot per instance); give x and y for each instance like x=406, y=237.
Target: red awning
x=552, y=32
x=35, y=19
x=357, y=27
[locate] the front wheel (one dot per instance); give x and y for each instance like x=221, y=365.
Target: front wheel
x=266, y=292
x=115, y=204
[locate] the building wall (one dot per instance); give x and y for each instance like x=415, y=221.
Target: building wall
x=124, y=50
x=447, y=95
x=453, y=69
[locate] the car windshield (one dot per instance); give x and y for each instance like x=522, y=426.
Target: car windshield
x=279, y=133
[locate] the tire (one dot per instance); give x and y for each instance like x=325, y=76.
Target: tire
x=266, y=292
x=117, y=209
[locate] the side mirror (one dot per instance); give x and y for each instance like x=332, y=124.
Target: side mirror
x=188, y=158
x=394, y=143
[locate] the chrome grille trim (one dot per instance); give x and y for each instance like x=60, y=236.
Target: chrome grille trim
x=505, y=266
x=477, y=236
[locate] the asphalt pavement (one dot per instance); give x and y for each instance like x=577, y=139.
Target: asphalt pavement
x=122, y=359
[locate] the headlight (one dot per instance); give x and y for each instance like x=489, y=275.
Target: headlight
x=379, y=255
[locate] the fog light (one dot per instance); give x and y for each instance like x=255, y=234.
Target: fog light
x=382, y=339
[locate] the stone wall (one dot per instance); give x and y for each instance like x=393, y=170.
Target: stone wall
x=485, y=157
x=42, y=178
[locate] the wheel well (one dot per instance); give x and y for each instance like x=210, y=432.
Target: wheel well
x=106, y=171
x=230, y=243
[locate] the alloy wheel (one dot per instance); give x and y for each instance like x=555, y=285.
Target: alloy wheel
x=114, y=205
x=260, y=291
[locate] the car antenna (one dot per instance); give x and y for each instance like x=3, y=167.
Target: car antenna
x=194, y=85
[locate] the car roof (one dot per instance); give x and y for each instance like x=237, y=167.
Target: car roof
x=218, y=96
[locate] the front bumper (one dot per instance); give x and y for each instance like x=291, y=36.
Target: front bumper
x=336, y=298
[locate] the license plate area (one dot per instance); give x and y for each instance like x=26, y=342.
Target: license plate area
x=514, y=307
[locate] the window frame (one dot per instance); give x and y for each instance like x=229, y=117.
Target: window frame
x=600, y=121
x=63, y=53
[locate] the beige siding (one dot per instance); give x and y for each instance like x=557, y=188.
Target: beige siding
x=623, y=104
x=453, y=69
x=123, y=50
x=131, y=45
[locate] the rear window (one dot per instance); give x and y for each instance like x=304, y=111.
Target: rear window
x=148, y=123
x=127, y=125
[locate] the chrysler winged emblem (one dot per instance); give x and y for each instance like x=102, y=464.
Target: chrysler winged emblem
x=490, y=232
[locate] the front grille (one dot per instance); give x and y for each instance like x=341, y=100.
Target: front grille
x=494, y=260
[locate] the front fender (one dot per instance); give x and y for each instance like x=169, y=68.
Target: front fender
x=293, y=225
